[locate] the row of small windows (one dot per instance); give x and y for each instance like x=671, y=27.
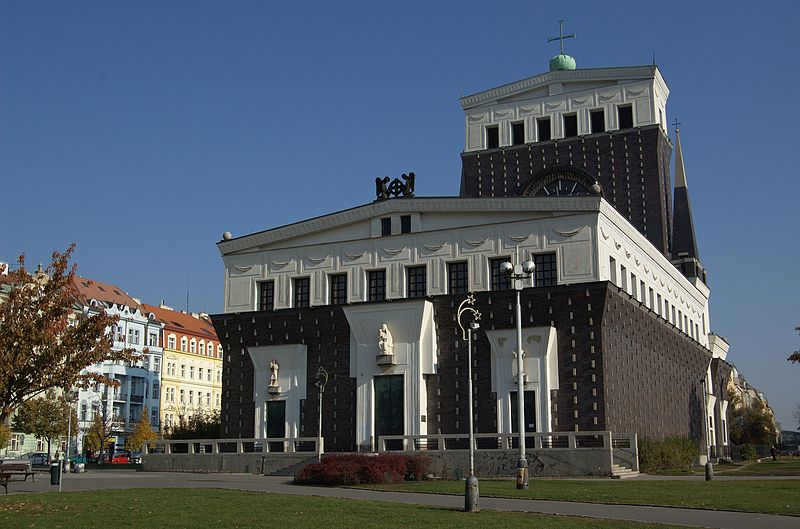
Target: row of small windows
x=172, y=369
x=416, y=282
x=386, y=225
x=134, y=336
x=544, y=128
x=170, y=397
x=640, y=291
x=191, y=346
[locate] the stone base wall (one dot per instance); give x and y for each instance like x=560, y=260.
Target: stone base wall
x=444, y=464
x=283, y=464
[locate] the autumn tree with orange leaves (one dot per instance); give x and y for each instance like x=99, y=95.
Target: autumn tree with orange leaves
x=46, y=336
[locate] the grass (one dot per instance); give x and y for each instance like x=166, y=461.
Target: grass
x=767, y=467
x=771, y=497
x=202, y=508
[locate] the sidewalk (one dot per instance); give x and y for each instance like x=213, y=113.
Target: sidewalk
x=118, y=479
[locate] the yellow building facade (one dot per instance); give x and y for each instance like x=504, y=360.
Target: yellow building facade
x=191, y=378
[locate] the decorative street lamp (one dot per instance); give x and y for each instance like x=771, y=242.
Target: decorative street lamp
x=322, y=379
x=518, y=273
x=471, y=492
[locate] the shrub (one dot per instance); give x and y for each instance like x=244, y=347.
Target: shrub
x=673, y=452
x=748, y=452
x=352, y=469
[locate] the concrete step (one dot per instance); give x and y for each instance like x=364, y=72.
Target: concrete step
x=291, y=469
x=620, y=472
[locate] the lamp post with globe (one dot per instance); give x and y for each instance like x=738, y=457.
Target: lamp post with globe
x=518, y=273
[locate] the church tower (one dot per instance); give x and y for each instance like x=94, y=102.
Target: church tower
x=684, y=245
x=569, y=130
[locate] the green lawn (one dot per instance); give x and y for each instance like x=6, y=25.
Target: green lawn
x=773, y=497
x=767, y=467
x=203, y=508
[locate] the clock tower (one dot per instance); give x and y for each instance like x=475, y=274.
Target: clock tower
x=576, y=131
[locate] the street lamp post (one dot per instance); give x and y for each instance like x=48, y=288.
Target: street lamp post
x=471, y=491
x=69, y=398
x=322, y=379
x=517, y=273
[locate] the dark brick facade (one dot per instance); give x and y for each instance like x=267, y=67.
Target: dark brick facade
x=653, y=372
x=631, y=165
x=620, y=366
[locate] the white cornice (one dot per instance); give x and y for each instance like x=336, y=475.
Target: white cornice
x=699, y=295
x=412, y=205
x=589, y=74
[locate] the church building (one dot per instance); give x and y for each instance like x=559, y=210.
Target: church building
x=569, y=169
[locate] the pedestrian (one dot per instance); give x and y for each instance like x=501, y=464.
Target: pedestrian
x=773, y=453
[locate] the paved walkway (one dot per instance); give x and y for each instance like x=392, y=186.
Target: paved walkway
x=120, y=479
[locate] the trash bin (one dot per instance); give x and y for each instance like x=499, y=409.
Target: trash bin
x=55, y=473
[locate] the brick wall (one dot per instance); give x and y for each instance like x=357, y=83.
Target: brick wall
x=620, y=367
x=632, y=166
x=653, y=372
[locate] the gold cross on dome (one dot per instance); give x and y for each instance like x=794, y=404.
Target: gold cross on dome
x=561, y=36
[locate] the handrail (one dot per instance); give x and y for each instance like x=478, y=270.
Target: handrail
x=242, y=445
x=591, y=440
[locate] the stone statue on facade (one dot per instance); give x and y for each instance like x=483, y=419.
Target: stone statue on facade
x=385, y=340
x=273, y=374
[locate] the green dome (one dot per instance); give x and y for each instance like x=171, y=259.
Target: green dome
x=562, y=62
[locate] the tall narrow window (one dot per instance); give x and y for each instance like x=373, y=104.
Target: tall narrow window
x=416, y=281
x=338, y=289
x=623, y=278
x=457, y=278
x=612, y=270
x=492, y=137
x=570, y=126
x=518, y=133
x=500, y=281
x=598, y=118
x=543, y=129
x=386, y=226
x=302, y=291
x=546, y=274
x=266, y=295
x=377, y=285
x=643, y=292
x=625, y=116
x=658, y=304
x=634, y=285
x=405, y=224
x=652, y=300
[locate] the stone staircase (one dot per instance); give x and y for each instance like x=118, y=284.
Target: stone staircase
x=620, y=472
x=287, y=467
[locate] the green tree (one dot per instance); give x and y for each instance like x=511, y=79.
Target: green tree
x=5, y=435
x=100, y=432
x=45, y=417
x=753, y=425
x=45, y=339
x=142, y=433
x=795, y=356
x=199, y=426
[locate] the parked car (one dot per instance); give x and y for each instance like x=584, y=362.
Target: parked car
x=39, y=459
x=78, y=458
x=121, y=458
x=136, y=458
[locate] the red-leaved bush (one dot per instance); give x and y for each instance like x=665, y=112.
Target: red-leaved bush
x=352, y=469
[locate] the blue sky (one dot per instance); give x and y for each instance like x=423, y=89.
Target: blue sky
x=142, y=131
